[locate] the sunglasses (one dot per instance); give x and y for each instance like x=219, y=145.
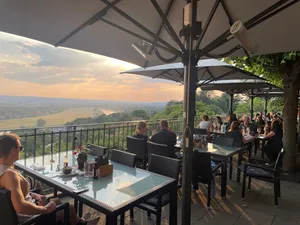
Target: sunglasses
x=21, y=147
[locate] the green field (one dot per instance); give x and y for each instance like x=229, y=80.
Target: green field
x=52, y=120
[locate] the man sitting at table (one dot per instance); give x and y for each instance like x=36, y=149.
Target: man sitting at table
x=246, y=124
x=21, y=198
x=165, y=135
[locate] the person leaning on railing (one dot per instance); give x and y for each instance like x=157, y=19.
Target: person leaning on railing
x=21, y=197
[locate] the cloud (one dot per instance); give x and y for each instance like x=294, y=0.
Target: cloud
x=40, y=69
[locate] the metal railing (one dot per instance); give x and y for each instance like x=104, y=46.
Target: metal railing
x=49, y=140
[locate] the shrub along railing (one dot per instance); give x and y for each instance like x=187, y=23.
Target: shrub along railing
x=41, y=141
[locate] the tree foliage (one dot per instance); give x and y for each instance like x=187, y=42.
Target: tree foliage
x=41, y=122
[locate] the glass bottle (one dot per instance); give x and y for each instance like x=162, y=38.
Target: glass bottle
x=66, y=163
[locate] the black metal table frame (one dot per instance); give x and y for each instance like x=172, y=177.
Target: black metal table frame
x=239, y=151
x=110, y=212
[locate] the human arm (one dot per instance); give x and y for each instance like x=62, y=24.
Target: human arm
x=270, y=134
x=13, y=184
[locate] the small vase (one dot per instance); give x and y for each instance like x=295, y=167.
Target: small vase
x=80, y=164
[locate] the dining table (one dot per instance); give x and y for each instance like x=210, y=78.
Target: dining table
x=111, y=195
x=223, y=154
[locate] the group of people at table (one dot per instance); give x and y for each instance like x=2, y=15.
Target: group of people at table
x=23, y=200
x=267, y=127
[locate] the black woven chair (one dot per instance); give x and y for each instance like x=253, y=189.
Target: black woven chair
x=160, y=149
x=203, y=172
x=166, y=167
x=97, y=150
x=267, y=172
x=9, y=215
x=138, y=146
x=200, y=131
x=225, y=141
x=123, y=157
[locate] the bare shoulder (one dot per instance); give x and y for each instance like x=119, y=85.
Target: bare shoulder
x=10, y=179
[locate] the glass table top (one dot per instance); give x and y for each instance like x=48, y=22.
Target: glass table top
x=124, y=185
x=220, y=150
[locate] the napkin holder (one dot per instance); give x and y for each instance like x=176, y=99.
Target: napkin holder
x=105, y=170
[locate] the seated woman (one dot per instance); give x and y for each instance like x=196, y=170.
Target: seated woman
x=237, y=135
x=218, y=123
x=141, y=129
x=274, y=144
x=21, y=197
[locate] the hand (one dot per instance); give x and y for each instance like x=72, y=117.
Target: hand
x=51, y=206
x=39, y=198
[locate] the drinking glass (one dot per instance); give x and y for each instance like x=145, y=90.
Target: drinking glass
x=86, y=169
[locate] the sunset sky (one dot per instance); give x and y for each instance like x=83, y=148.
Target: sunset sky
x=31, y=68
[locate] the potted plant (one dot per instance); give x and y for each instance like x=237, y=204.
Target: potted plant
x=81, y=159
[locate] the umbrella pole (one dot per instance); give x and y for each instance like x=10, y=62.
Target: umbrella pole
x=190, y=78
x=231, y=104
x=266, y=106
x=251, y=107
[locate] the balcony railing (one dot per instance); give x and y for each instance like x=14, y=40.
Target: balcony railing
x=49, y=140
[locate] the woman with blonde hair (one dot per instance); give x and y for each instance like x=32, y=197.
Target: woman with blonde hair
x=141, y=129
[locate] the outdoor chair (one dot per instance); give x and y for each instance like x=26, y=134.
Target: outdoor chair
x=238, y=142
x=167, y=167
x=138, y=146
x=267, y=172
x=122, y=157
x=203, y=172
x=225, y=141
x=97, y=150
x=200, y=131
x=160, y=149
x=9, y=215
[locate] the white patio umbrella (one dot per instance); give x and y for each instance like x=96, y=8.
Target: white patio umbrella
x=208, y=71
x=127, y=29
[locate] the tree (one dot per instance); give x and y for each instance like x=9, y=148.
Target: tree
x=282, y=69
x=41, y=123
x=139, y=113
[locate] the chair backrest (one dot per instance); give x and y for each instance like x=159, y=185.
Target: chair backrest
x=7, y=212
x=237, y=138
x=123, y=157
x=159, y=149
x=137, y=146
x=164, y=166
x=219, y=140
x=279, y=159
x=200, y=131
x=202, y=166
x=97, y=150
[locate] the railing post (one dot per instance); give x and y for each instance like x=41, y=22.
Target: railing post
x=44, y=146
x=34, y=144
x=51, y=145
x=74, y=138
x=104, y=134
x=93, y=135
x=25, y=149
x=59, y=141
x=99, y=136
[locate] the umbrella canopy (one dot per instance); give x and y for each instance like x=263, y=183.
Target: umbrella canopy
x=208, y=70
x=130, y=29
x=111, y=27
x=250, y=87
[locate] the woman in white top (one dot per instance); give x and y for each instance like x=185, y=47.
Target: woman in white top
x=205, y=123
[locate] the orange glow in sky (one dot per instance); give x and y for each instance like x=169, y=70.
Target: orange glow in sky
x=31, y=68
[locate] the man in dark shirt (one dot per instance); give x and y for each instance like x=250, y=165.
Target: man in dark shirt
x=164, y=136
